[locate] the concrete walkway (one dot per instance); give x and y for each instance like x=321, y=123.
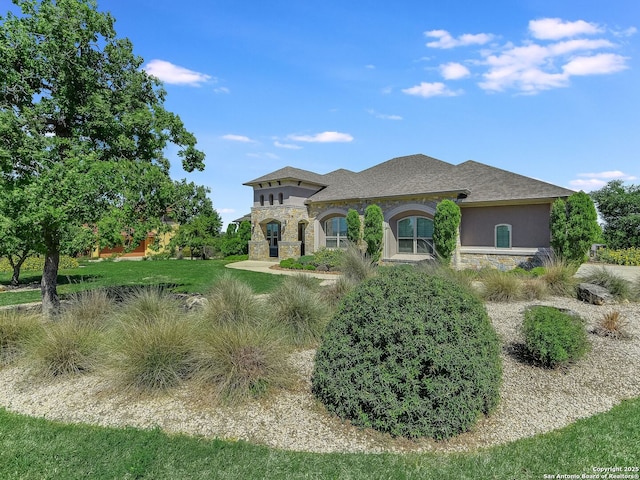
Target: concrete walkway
x=628, y=273
x=265, y=267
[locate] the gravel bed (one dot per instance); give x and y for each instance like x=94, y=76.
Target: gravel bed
x=533, y=400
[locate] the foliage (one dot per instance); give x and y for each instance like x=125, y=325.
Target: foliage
x=446, y=222
x=559, y=277
x=89, y=307
x=626, y=256
x=612, y=324
x=534, y=288
x=501, y=286
x=82, y=135
x=231, y=301
x=236, y=240
x=78, y=240
x=619, y=207
x=373, y=232
x=16, y=330
x=329, y=258
x=354, y=226
x=616, y=285
x=409, y=354
x=298, y=312
x=240, y=361
x=356, y=265
x=554, y=338
x=36, y=263
x=575, y=229
x=334, y=293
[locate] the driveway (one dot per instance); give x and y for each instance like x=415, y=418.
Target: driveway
x=628, y=273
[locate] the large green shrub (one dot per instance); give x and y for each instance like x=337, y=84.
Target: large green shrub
x=409, y=354
x=553, y=337
x=353, y=226
x=445, y=229
x=373, y=232
x=574, y=227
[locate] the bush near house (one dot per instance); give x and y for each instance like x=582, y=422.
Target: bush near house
x=36, y=263
x=409, y=354
x=626, y=256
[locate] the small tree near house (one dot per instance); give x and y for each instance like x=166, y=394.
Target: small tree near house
x=574, y=228
x=373, y=231
x=354, y=227
x=446, y=222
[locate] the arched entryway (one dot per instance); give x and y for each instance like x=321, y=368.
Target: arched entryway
x=273, y=232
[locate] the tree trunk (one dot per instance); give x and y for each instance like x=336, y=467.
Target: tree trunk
x=15, y=278
x=50, y=300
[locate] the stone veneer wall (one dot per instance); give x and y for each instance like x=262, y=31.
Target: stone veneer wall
x=500, y=261
x=289, y=217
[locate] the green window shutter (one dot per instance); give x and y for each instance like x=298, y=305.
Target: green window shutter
x=503, y=236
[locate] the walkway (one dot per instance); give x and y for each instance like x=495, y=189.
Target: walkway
x=265, y=267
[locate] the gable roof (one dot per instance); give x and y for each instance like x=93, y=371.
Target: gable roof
x=418, y=175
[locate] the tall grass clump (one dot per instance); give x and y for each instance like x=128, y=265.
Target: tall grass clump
x=16, y=330
x=298, y=312
x=232, y=300
x=334, y=293
x=66, y=347
x=153, y=341
x=616, y=285
x=356, y=265
x=89, y=307
x=552, y=337
x=612, y=324
x=635, y=289
x=533, y=288
x=559, y=277
x=501, y=286
x=239, y=361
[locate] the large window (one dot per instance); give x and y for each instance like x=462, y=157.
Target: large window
x=415, y=235
x=335, y=230
x=503, y=236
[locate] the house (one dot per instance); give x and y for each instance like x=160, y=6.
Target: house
x=505, y=216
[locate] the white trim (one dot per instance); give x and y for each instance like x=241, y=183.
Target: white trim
x=405, y=207
x=495, y=236
x=500, y=251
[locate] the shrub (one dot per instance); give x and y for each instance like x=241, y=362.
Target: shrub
x=89, y=307
x=306, y=260
x=626, y=256
x=409, y=354
x=373, y=231
x=66, y=347
x=334, y=293
x=552, y=337
x=231, y=300
x=354, y=226
x=574, y=227
x=612, y=324
x=147, y=305
x=287, y=263
x=534, y=289
x=559, y=277
x=240, y=361
x=16, y=330
x=356, y=265
x=446, y=222
x=330, y=258
x=298, y=312
x=36, y=263
x=616, y=285
x=501, y=286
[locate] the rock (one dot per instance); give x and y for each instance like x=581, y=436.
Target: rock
x=322, y=268
x=594, y=294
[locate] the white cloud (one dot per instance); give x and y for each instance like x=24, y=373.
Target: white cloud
x=324, y=137
x=426, y=90
x=290, y=146
x=263, y=155
x=383, y=115
x=627, y=32
x=556, y=28
x=454, y=71
x=237, y=138
x=600, y=64
x=445, y=40
x=597, y=180
x=174, y=74
x=226, y=210
x=222, y=90
x=370, y=67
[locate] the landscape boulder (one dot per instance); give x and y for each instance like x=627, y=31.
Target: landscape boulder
x=594, y=294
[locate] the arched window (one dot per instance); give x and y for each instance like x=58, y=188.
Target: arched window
x=415, y=235
x=280, y=198
x=271, y=199
x=262, y=200
x=503, y=236
x=335, y=230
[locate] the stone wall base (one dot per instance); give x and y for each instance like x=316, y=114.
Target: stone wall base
x=502, y=262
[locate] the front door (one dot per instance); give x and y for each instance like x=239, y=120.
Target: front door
x=273, y=237
x=301, y=237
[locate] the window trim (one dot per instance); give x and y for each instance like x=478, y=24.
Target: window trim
x=415, y=237
x=495, y=235
x=338, y=238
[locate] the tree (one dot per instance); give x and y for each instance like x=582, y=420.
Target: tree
x=354, y=226
x=575, y=229
x=446, y=222
x=236, y=240
x=619, y=207
x=558, y=228
x=82, y=128
x=373, y=233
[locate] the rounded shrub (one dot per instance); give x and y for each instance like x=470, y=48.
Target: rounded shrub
x=553, y=337
x=409, y=354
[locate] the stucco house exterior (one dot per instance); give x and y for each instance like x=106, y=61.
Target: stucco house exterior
x=505, y=216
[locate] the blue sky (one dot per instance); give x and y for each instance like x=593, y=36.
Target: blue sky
x=545, y=88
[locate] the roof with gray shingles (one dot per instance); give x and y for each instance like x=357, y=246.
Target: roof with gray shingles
x=419, y=175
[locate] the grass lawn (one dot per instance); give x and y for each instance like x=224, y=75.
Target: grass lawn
x=38, y=449
x=186, y=276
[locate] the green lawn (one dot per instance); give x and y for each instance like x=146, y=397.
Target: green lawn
x=181, y=275
x=40, y=449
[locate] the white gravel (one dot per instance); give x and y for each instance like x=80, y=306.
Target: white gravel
x=533, y=400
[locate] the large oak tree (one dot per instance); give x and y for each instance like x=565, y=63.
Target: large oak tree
x=82, y=127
